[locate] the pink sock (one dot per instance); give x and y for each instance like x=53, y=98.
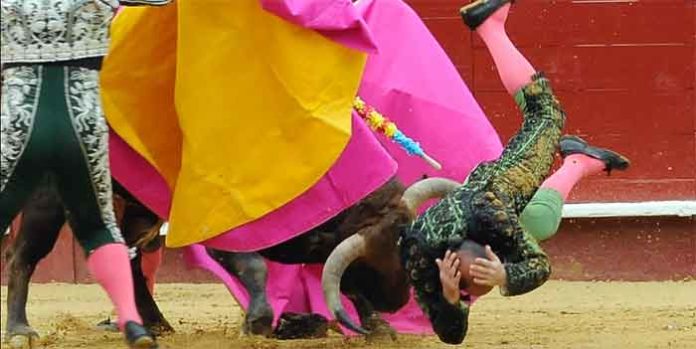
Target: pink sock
x=514, y=69
x=110, y=266
x=150, y=262
x=574, y=168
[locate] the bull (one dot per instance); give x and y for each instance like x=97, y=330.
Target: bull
x=373, y=279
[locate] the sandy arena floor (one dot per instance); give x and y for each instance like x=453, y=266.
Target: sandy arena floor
x=559, y=315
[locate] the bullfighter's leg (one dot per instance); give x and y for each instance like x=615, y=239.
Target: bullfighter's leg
x=153, y=319
x=140, y=228
x=41, y=223
x=527, y=159
x=251, y=270
x=81, y=163
x=145, y=226
x=542, y=215
x=151, y=255
x=529, y=155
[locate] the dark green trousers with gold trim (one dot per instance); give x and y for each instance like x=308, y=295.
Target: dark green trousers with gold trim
x=53, y=125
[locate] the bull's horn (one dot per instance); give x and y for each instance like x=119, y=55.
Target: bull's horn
x=423, y=190
x=344, y=254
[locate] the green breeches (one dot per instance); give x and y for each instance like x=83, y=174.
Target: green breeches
x=543, y=214
x=53, y=125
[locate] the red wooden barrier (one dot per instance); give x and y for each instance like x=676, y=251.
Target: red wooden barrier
x=624, y=71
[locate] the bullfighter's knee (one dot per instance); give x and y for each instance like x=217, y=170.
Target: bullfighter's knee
x=542, y=216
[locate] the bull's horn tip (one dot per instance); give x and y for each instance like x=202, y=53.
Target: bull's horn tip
x=346, y=321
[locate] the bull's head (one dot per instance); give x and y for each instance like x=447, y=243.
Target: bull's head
x=376, y=247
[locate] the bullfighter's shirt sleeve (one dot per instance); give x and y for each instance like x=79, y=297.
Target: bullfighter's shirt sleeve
x=450, y=322
x=440, y=228
x=526, y=264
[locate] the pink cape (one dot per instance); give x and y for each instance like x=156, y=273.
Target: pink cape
x=338, y=20
x=414, y=83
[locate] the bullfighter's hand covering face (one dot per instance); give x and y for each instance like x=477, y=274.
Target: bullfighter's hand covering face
x=503, y=203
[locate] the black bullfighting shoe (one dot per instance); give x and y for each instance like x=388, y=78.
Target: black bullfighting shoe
x=478, y=11
x=138, y=337
x=576, y=145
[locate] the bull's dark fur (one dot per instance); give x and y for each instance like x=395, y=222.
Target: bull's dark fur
x=40, y=233
x=375, y=282
x=377, y=217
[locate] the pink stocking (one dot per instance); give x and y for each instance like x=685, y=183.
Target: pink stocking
x=574, y=168
x=150, y=262
x=513, y=68
x=110, y=266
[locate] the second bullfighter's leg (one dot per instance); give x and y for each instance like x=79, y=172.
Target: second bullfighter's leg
x=84, y=184
x=151, y=256
x=43, y=217
x=140, y=227
x=251, y=270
